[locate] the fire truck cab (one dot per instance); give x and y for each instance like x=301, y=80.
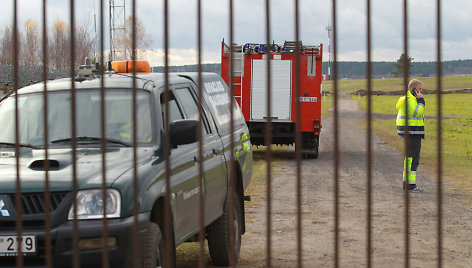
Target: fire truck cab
x=249, y=84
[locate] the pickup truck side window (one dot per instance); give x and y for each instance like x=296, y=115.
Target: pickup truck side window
x=189, y=105
x=174, y=110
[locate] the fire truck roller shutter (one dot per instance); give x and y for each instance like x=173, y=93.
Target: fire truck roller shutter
x=281, y=86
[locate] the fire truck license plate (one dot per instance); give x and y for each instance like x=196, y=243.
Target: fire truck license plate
x=308, y=99
x=9, y=245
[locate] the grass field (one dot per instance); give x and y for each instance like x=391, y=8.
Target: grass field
x=451, y=104
x=390, y=84
x=456, y=148
x=456, y=131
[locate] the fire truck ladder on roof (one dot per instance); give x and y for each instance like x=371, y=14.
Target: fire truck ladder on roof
x=238, y=69
x=238, y=58
x=291, y=46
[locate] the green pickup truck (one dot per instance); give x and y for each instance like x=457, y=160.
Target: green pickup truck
x=133, y=163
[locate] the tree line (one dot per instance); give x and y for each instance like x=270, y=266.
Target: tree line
x=30, y=44
x=357, y=69
x=352, y=69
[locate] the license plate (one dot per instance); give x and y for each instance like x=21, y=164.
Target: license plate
x=308, y=99
x=9, y=245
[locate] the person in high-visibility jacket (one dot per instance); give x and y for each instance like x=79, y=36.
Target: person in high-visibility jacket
x=414, y=104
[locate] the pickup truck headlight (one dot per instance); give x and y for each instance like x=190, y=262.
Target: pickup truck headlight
x=90, y=204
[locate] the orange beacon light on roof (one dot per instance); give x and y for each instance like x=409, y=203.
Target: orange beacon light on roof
x=142, y=66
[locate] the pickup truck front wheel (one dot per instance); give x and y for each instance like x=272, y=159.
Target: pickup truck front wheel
x=155, y=249
x=219, y=234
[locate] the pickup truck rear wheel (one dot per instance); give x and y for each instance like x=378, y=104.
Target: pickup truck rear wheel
x=155, y=248
x=219, y=234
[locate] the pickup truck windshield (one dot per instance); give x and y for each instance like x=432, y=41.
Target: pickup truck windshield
x=118, y=118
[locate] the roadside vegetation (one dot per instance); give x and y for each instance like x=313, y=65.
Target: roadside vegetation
x=456, y=127
x=326, y=103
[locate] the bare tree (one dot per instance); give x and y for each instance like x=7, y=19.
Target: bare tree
x=31, y=52
x=84, y=44
x=143, y=40
x=59, y=46
x=6, y=47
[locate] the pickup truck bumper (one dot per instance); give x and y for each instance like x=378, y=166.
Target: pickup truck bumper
x=120, y=254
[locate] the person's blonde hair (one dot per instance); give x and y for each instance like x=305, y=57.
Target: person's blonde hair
x=414, y=83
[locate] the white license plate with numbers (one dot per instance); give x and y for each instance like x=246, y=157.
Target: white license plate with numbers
x=9, y=245
x=308, y=99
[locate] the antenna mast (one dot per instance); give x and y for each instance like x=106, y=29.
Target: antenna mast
x=117, y=25
x=329, y=28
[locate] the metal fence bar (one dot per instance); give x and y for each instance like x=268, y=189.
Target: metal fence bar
x=47, y=209
x=201, y=236
x=232, y=165
x=232, y=178
x=439, y=139
x=407, y=136
x=336, y=137
x=167, y=213
x=369, y=138
x=268, y=141
x=298, y=137
x=135, y=241
x=75, y=224
x=105, y=253
x=19, y=221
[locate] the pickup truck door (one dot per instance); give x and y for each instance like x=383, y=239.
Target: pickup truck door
x=214, y=164
x=215, y=177
x=185, y=188
x=184, y=176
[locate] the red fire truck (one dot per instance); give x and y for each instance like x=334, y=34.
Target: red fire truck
x=249, y=82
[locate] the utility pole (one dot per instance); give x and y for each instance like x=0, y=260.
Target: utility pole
x=329, y=28
x=117, y=24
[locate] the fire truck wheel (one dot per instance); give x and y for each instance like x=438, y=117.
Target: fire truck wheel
x=311, y=155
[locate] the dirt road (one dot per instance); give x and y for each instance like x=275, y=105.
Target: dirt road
x=388, y=209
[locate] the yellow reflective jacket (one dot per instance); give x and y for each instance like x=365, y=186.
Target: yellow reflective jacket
x=415, y=115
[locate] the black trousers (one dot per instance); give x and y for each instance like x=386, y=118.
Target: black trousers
x=412, y=160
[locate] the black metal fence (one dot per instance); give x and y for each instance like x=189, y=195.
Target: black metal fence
x=74, y=261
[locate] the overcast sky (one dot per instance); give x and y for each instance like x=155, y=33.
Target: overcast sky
x=249, y=25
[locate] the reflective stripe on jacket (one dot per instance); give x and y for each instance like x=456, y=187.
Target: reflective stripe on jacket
x=415, y=115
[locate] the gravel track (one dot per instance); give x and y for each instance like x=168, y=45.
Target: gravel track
x=388, y=208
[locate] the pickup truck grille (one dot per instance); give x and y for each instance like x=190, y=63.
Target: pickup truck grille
x=34, y=203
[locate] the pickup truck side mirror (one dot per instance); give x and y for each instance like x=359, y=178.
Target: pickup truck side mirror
x=183, y=132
